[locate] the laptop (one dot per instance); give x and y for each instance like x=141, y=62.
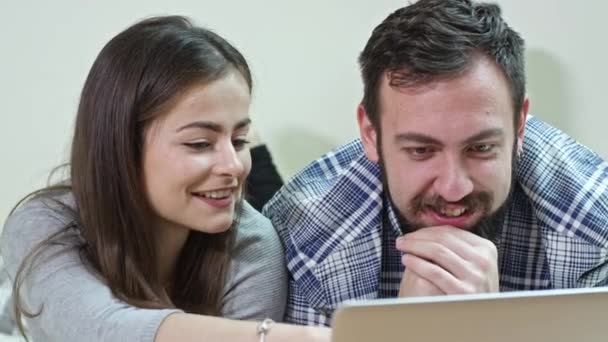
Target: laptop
x=536, y=316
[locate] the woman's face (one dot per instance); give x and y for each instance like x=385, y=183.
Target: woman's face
x=196, y=159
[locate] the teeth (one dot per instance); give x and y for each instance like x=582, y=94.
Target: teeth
x=453, y=212
x=215, y=194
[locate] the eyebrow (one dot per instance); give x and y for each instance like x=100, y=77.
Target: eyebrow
x=425, y=139
x=213, y=126
x=485, y=134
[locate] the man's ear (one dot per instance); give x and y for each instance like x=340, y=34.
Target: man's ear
x=368, y=134
x=523, y=116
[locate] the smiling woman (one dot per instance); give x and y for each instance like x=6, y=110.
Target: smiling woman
x=150, y=237
x=195, y=161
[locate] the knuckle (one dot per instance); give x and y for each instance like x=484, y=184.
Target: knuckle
x=488, y=247
x=433, y=273
x=443, y=239
x=441, y=253
x=492, y=250
x=468, y=289
x=474, y=285
x=483, y=264
x=486, y=262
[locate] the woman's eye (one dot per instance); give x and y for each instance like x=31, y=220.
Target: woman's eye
x=197, y=146
x=239, y=143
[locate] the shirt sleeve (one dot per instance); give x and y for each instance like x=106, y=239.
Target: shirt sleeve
x=300, y=312
x=257, y=285
x=74, y=303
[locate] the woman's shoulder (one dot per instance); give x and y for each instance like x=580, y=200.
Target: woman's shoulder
x=38, y=218
x=255, y=232
x=254, y=227
x=51, y=208
x=257, y=283
x=34, y=221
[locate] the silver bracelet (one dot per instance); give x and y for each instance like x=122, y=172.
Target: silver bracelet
x=264, y=328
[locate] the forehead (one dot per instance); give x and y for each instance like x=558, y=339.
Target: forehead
x=221, y=96
x=450, y=107
x=223, y=102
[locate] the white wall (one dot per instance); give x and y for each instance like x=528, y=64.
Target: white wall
x=303, y=55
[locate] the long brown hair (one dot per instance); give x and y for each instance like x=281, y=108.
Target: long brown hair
x=134, y=79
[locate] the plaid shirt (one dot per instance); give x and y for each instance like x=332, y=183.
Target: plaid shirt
x=339, y=233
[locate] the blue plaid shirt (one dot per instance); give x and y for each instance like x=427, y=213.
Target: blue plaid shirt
x=339, y=233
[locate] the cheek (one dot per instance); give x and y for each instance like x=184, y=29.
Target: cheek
x=152, y=168
x=495, y=177
x=406, y=178
x=170, y=170
x=166, y=180
x=155, y=179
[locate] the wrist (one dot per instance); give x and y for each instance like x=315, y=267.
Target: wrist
x=263, y=329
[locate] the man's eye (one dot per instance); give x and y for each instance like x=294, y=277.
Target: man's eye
x=197, y=146
x=482, y=148
x=420, y=152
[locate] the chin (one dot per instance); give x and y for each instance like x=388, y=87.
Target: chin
x=216, y=226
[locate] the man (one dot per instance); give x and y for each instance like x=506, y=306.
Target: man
x=442, y=194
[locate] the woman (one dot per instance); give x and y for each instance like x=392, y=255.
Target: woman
x=149, y=239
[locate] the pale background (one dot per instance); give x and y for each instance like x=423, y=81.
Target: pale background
x=303, y=55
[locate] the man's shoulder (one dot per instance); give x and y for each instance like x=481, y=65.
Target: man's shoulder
x=330, y=204
x=329, y=167
x=329, y=217
x=566, y=182
x=341, y=173
x=545, y=145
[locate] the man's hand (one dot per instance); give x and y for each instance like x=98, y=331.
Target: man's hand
x=413, y=285
x=447, y=260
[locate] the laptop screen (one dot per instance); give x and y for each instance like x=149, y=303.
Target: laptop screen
x=549, y=315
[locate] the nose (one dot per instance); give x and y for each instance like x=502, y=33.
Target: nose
x=453, y=181
x=228, y=162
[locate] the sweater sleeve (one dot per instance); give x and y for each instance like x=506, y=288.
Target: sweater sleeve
x=264, y=179
x=74, y=303
x=257, y=285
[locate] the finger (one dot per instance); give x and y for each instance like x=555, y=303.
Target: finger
x=414, y=286
x=453, y=243
x=432, y=233
x=440, y=255
x=434, y=274
x=477, y=269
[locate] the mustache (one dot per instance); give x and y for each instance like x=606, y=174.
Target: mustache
x=476, y=201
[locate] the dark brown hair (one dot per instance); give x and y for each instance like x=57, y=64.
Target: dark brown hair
x=135, y=77
x=437, y=38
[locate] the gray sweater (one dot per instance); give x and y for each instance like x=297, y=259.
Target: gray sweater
x=78, y=306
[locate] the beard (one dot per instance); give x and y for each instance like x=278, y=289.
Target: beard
x=488, y=225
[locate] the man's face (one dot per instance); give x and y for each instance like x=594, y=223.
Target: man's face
x=446, y=147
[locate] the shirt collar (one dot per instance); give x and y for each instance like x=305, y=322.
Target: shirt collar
x=391, y=216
